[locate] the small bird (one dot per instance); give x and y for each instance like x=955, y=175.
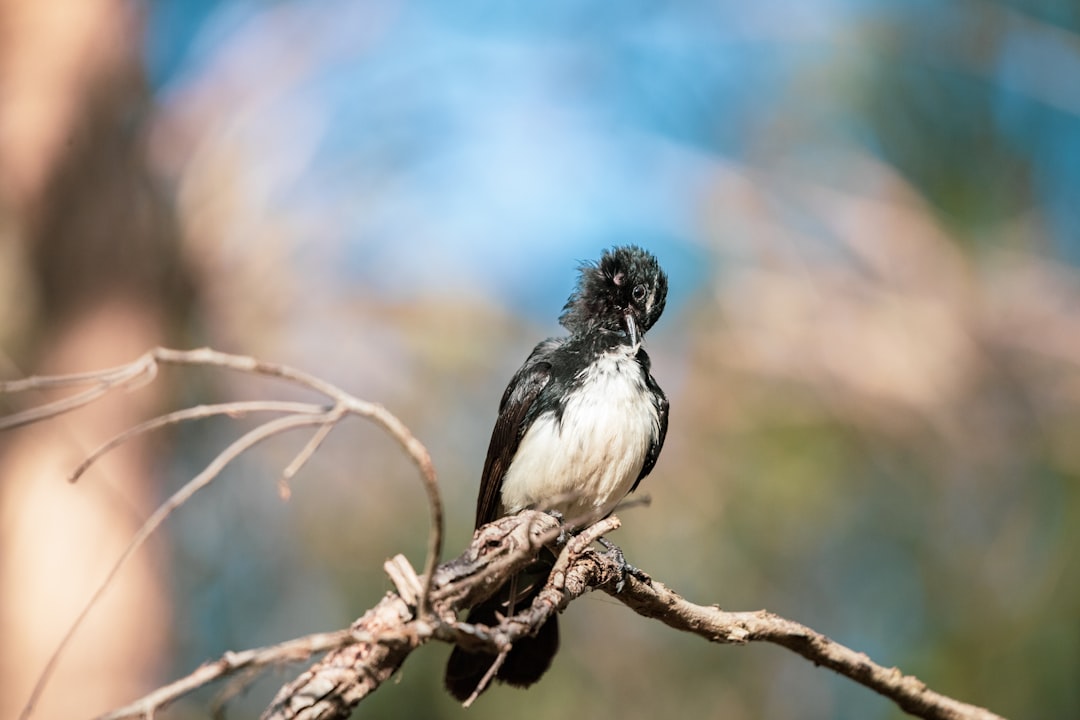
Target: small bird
x=580, y=424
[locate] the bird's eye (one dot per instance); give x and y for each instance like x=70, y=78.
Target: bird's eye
x=639, y=293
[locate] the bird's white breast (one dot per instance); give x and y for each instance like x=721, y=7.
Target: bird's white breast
x=585, y=464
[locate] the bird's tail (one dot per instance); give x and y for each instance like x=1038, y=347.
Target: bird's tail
x=530, y=656
x=526, y=663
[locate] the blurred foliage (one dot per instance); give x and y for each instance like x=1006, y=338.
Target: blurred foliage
x=869, y=213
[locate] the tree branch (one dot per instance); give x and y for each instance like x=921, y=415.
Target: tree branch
x=381, y=640
x=908, y=692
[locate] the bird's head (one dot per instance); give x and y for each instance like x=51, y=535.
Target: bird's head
x=624, y=292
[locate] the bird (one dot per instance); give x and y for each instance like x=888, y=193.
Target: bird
x=580, y=424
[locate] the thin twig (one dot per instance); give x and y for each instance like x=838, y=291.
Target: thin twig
x=264, y=431
x=110, y=379
x=237, y=685
x=228, y=664
x=405, y=579
x=308, y=450
x=108, y=376
x=145, y=368
x=397, y=429
x=488, y=676
x=199, y=412
x=106, y=380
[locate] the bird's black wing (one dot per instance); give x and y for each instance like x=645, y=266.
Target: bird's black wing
x=516, y=413
x=662, y=416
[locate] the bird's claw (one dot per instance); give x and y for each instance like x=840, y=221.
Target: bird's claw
x=616, y=554
x=561, y=540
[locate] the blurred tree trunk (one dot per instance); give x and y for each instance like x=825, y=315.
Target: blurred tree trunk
x=94, y=277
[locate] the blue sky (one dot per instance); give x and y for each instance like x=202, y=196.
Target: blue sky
x=482, y=145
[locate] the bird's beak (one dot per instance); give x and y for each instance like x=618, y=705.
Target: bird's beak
x=631, y=329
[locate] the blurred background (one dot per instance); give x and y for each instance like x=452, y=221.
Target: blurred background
x=870, y=216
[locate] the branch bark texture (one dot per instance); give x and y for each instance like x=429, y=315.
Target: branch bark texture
x=331, y=688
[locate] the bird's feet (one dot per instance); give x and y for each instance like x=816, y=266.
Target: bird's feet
x=615, y=553
x=563, y=535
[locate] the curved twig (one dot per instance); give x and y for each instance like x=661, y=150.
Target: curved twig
x=110, y=376
x=374, y=411
x=116, y=377
x=199, y=412
x=152, y=523
x=105, y=380
x=229, y=664
x=145, y=368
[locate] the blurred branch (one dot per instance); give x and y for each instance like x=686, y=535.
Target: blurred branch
x=297, y=415
x=233, y=410
x=229, y=664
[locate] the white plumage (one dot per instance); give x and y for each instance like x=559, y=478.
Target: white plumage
x=585, y=464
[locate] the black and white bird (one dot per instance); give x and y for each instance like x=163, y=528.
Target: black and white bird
x=580, y=424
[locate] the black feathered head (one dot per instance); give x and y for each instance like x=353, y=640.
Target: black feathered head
x=624, y=292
